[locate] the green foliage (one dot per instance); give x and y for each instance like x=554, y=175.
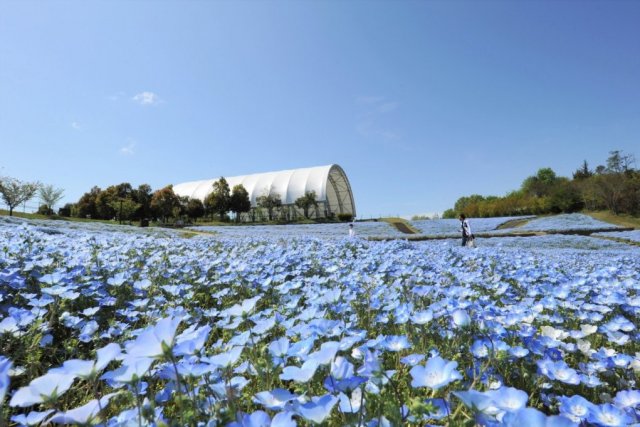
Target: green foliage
x=306, y=202
x=45, y=210
x=49, y=195
x=66, y=210
x=124, y=208
x=14, y=192
x=270, y=201
x=163, y=202
x=615, y=187
x=218, y=200
x=195, y=209
x=345, y=217
x=239, y=201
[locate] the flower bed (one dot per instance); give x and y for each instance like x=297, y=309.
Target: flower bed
x=140, y=329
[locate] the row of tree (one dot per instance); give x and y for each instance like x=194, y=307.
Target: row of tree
x=15, y=192
x=125, y=203
x=614, y=187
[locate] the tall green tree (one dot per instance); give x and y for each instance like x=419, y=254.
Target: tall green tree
x=195, y=209
x=541, y=183
x=142, y=195
x=306, y=202
x=163, y=202
x=87, y=204
x=218, y=200
x=14, y=192
x=270, y=201
x=124, y=208
x=618, y=162
x=239, y=201
x=583, y=172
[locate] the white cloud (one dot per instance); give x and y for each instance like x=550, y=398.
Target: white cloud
x=76, y=125
x=116, y=96
x=147, y=98
x=128, y=150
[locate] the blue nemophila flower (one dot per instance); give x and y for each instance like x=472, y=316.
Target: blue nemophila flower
x=396, y=343
x=278, y=350
x=243, y=308
x=263, y=325
x=422, y=317
x=477, y=401
x=460, y=318
x=191, y=340
x=131, y=371
x=341, y=368
x=155, y=341
x=85, y=414
x=88, y=369
x=326, y=354
x=301, y=348
x=436, y=373
x=89, y=328
x=371, y=365
x=46, y=388
x=318, y=409
x=624, y=398
x=300, y=374
x=256, y=419
x=559, y=371
x=608, y=415
x=441, y=408
x=129, y=417
x=530, y=417
x=481, y=348
x=576, y=408
x=350, y=405
x=412, y=359
x=5, y=366
x=508, y=398
x=283, y=419
x=33, y=418
x=518, y=352
x=235, y=385
x=274, y=400
x=226, y=359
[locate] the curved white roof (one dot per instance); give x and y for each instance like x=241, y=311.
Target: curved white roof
x=329, y=182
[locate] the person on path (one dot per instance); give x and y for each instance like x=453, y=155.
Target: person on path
x=352, y=232
x=466, y=230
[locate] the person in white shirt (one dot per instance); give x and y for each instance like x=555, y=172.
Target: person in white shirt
x=352, y=232
x=466, y=230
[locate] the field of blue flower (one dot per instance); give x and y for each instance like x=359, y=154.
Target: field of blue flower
x=134, y=328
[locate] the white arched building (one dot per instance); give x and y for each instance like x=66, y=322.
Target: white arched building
x=330, y=183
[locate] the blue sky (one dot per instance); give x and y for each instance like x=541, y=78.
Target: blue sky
x=420, y=102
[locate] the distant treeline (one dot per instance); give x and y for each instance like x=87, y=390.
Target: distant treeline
x=126, y=203
x=614, y=187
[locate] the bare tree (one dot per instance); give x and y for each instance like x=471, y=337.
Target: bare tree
x=50, y=196
x=14, y=192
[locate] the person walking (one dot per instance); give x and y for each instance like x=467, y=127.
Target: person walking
x=352, y=232
x=467, y=236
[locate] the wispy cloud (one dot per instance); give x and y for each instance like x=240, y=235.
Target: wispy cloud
x=116, y=96
x=129, y=149
x=369, y=121
x=76, y=125
x=147, y=98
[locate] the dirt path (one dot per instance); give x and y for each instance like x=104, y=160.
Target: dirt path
x=420, y=237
